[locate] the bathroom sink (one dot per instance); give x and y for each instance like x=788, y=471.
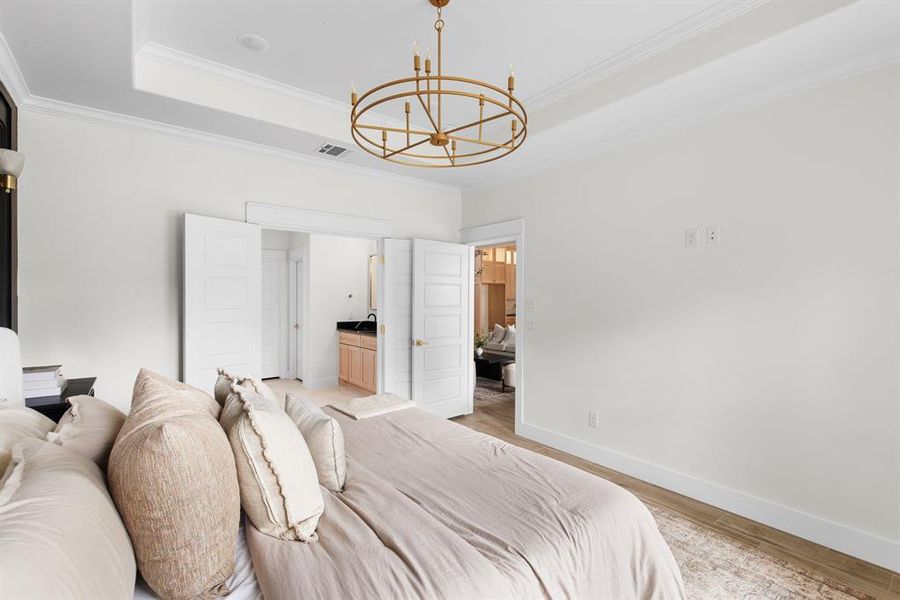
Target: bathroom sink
x=357, y=325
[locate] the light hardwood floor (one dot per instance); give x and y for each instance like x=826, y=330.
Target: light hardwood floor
x=496, y=419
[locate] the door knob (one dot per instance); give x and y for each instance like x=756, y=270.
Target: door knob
x=296, y=325
x=421, y=343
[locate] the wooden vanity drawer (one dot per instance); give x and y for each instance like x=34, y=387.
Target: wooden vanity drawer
x=350, y=339
x=368, y=341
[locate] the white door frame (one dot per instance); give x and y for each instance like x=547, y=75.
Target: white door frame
x=297, y=312
x=282, y=359
x=271, y=216
x=496, y=234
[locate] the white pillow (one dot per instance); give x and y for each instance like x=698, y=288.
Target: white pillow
x=325, y=439
x=498, y=334
x=17, y=424
x=509, y=342
x=277, y=477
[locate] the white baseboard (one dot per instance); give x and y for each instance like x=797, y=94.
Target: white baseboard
x=868, y=547
x=317, y=384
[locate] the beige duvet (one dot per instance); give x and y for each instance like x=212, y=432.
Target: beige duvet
x=432, y=509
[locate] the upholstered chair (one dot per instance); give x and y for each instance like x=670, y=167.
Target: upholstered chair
x=509, y=376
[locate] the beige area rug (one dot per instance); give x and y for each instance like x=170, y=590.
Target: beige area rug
x=716, y=566
x=490, y=391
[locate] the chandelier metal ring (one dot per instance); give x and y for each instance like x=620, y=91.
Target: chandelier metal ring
x=458, y=147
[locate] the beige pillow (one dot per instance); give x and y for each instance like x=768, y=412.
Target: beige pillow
x=325, y=439
x=89, y=427
x=225, y=380
x=62, y=537
x=172, y=475
x=279, y=489
x=19, y=423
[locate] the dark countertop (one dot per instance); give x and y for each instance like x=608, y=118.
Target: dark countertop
x=360, y=327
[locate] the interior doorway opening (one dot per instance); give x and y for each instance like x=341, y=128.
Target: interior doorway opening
x=319, y=311
x=494, y=323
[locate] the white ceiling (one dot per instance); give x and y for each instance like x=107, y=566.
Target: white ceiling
x=590, y=72
x=321, y=46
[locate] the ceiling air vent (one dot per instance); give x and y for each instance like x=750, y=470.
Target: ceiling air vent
x=332, y=150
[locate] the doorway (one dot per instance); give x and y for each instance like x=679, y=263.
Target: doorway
x=324, y=312
x=494, y=325
x=421, y=349
x=297, y=309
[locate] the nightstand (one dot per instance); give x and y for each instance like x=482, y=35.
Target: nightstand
x=83, y=386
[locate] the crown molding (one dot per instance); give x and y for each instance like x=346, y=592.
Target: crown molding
x=25, y=100
x=693, y=26
x=847, y=69
x=58, y=108
x=177, y=58
x=172, y=58
x=11, y=74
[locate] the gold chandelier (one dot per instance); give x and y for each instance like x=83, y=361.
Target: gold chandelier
x=423, y=97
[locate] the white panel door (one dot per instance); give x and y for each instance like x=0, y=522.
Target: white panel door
x=273, y=313
x=443, y=278
x=221, y=299
x=395, y=314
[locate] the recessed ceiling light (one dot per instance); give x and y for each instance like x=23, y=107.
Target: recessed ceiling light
x=254, y=42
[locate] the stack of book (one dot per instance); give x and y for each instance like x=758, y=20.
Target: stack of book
x=43, y=385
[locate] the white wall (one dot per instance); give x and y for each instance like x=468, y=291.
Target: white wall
x=100, y=224
x=766, y=365
x=338, y=268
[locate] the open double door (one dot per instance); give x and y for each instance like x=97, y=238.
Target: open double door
x=425, y=307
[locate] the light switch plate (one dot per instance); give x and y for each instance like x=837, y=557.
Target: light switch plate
x=691, y=237
x=529, y=325
x=530, y=304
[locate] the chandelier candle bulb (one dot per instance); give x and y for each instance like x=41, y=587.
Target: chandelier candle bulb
x=406, y=109
x=433, y=145
x=480, y=115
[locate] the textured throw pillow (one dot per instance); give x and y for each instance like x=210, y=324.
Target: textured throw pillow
x=19, y=423
x=61, y=535
x=279, y=488
x=498, y=334
x=325, y=439
x=89, y=427
x=172, y=475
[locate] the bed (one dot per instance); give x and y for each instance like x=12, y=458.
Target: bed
x=432, y=509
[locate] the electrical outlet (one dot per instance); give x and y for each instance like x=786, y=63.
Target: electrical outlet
x=593, y=419
x=712, y=235
x=530, y=304
x=691, y=237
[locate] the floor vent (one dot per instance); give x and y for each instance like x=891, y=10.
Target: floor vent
x=332, y=150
